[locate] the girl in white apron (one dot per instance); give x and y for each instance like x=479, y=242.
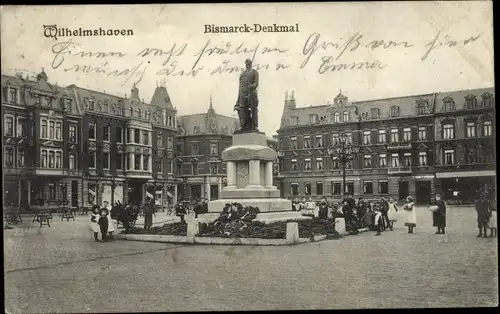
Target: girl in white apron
x=391, y=213
x=410, y=214
x=111, y=226
x=94, y=226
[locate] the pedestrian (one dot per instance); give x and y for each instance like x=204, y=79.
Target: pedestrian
x=103, y=223
x=323, y=209
x=439, y=215
x=492, y=224
x=483, y=209
x=125, y=212
x=94, y=226
x=384, y=208
x=391, y=212
x=410, y=214
x=378, y=219
x=180, y=211
x=148, y=214
x=111, y=226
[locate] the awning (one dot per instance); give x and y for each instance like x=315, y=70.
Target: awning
x=465, y=174
x=92, y=192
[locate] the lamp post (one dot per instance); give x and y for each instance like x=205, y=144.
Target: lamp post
x=344, y=151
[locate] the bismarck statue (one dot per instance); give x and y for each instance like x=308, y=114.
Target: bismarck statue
x=248, y=102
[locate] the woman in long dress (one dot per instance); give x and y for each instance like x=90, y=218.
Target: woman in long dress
x=410, y=214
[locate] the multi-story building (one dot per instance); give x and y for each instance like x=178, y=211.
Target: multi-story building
x=401, y=147
x=40, y=147
x=201, y=139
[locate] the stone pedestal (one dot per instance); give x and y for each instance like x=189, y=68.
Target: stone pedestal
x=250, y=179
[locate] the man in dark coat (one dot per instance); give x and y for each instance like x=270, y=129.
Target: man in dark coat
x=323, y=209
x=439, y=216
x=148, y=214
x=483, y=209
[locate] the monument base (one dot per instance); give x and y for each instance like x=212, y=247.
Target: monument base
x=264, y=204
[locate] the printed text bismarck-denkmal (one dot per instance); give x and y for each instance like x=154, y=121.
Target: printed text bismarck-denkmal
x=251, y=28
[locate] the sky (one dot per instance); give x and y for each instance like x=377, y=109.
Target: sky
x=367, y=50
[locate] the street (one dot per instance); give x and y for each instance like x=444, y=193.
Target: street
x=60, y=269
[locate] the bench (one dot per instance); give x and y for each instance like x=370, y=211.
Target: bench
x=68, y=214
x=44, y=219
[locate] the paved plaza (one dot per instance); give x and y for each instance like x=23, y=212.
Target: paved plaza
x=60, y=269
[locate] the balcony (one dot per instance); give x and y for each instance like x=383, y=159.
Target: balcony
x=398, y=146
x=399, y=170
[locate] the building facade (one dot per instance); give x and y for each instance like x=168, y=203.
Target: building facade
x=410, y=145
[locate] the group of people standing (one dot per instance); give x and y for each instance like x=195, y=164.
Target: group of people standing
x=101, y=223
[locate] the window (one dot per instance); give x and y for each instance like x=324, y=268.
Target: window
x=137, y=136
x=20, y=157
x=294, y=165
x=349, y=189
x=319, y=188
x=336, y=117
x=471, y=101
x=44, y=159
x=139, y=113
x=294, y=121
x=319, y=164
x=131, y=111
x=145, y=137
x=421, y=109
x=346, y=116
x=44, y=128
x=422, y=133
x=348, y=138
x=105, y=106
x=394, y=160
x=180, y=149
x=383, y=187
x=59, y=160
x=21, y=128
x=470, y=129
x=367, y=187
x=394, y=111
x=13, y=95
x=9, y=126
x=366, y=137
x=137, y=162
x=487, y=100
x=407, y=134
x=92, y=159
x=394, y=135
x=194, y=148
x=335, y=139
x=307, y=165
x=194, y=168
x=448, y=131
x=213, y=149
x=105, y=160
x=293, y=143
x=72, y=162
x=374, y=112
x=119, y=134
x=368, y=161
x=336, y=163
x=449, y=156
x=91, y=104
x=337, y=188
x=214, y=168
x=72, y=133
x=170, y=167
x=407, y=159
x=119, y=161
x=51, y=129
x=159, y=140
x=295, y=189
x=470, y=155
x=179, y=168
x=422, y=159
x=319, y=141
x=487, y=128
x=145, y=163
x=307, y=142
x=148, y=115
x=9, y=157
x=169, y=121
x=52, y=191
x=52, y=159
x=382, y=160
x=92, y=131
x=170, y=142
x=58, y=130
x=382, y=137
x=308, y=188
x=449, y=104
x=313, y=118
x=105, y=133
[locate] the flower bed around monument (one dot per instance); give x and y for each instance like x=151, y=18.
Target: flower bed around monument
x=176, y=229
x=313, y=227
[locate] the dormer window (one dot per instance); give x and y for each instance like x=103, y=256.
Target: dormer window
x=421, y=108
x=131, y=111
x=91, y=104
x=470, y=102
x=148, y=115
x=346, y=116
x=375, y=113
x=487, y=100
x=394, y=111
x=448, y=104
x=313, y=118
x=139, y=113
x=336, y=117
x=294, y=121
x=105, y=106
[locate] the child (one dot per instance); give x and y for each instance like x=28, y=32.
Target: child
x=492, y=224
x=94, y=226
x=104, y=223
x=378, y=220
x=411, y=217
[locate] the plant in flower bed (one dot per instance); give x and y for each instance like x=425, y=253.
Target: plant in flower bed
x=237, y=222
x=313, y=227
x=177, y=229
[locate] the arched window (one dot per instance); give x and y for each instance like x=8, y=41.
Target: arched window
x=421, y=108
x=131, y=111
x=394, y=111
x=346, y=116
x=336, y=117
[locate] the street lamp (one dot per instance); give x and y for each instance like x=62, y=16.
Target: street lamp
x=344, y=151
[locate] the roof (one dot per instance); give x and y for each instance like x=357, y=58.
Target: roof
x=207, y=123
x=459, y=97
x=161, y=98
